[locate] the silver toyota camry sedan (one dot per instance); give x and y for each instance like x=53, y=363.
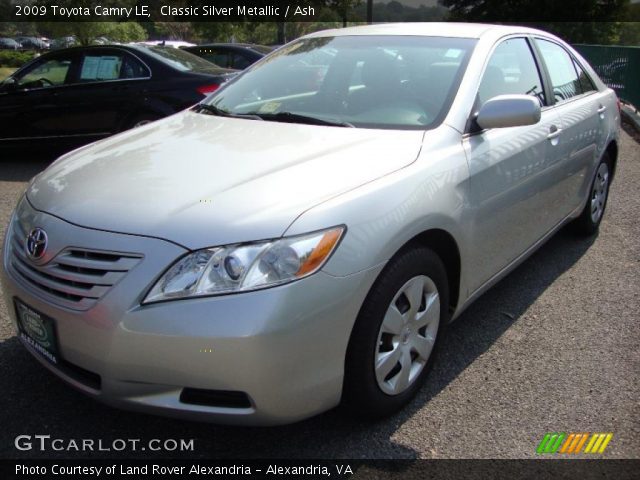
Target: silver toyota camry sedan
x=302, y=237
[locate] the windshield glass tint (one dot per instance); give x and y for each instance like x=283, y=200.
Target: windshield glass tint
x=366, y=81
x=181, y=60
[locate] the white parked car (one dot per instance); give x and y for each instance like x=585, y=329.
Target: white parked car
x=168, y=43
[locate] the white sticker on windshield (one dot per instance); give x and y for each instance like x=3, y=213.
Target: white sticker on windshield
x=453, y=53
x=100, y=68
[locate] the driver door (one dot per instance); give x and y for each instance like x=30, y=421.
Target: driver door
x=514, y=184
x=30, y=107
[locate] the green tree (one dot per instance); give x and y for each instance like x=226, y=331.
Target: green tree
x=593, y=21
x=214, y=31
x=127, y=32
x=536, y=10
x=87, y=32
x=12, y=29
x=630, y=34
x=602, y=33
x=186, y=31
x=344, y=8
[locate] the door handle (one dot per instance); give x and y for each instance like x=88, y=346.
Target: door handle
x=554, y=132
x=602, y=109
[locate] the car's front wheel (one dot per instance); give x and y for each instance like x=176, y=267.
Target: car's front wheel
x=395, y=337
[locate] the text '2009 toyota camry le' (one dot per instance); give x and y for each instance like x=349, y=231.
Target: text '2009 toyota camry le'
x=302, y=237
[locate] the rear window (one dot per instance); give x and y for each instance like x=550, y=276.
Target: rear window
x=181, y=60
x=262, y=49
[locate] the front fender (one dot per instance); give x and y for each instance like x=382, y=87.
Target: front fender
x=385, y=214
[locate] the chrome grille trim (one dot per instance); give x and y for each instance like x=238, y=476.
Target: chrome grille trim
x=76, y=278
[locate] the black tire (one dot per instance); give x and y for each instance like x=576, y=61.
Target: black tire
x=585, y=224
x=362, y=395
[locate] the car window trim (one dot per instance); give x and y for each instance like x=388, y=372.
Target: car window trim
x=78, y=55
x=544, y=73
x=73, y=56
x=125, y=51
x=581, y=95
x=468, y=130
x=576, y=63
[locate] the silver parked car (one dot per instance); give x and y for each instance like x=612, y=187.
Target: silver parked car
x=303, y=236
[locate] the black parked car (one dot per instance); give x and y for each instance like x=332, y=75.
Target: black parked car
x=8, y=44
x=81, y=94
x=231, y=55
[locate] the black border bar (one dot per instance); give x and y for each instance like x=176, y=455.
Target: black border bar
x=535, y=469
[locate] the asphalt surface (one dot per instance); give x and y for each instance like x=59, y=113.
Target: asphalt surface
x=553, y=347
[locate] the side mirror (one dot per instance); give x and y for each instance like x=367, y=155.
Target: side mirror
x=9, y=85
x=509, y=111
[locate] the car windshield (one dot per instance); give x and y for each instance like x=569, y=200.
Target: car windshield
x=400, y=82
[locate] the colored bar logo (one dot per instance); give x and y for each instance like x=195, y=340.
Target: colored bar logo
x=572, y=443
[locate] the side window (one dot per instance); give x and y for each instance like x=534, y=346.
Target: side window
x=98, y=67
x=133, y=68
x=240, y=62
x=586, y=84
x=511, y=70
x=49, y=73
x=220, y=58
x=564, y=78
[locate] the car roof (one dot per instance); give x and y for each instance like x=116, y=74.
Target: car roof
x=227, y=45
x=136, y=48
x=429, y=29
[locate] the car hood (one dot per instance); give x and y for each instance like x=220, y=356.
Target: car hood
x=200, y=180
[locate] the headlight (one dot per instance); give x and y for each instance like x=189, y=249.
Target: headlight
x=243, y=267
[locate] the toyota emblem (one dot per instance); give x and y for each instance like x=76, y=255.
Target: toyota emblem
x=36, y=243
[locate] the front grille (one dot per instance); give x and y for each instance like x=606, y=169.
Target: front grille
x=76, y=278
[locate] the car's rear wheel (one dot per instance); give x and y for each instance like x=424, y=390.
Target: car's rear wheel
x=589, y=220
x=395, y=338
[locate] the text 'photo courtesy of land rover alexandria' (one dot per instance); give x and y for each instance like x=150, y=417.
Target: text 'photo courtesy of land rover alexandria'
x=301, y=238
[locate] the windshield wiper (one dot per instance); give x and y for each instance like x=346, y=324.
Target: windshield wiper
x=291, y=117
x=212, y=109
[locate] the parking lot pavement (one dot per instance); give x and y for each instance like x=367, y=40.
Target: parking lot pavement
x=553, y=347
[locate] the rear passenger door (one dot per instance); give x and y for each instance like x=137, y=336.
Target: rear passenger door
x=513, y=171
x=581, y=110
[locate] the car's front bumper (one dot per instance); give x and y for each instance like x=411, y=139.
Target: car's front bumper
x=284, y=347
